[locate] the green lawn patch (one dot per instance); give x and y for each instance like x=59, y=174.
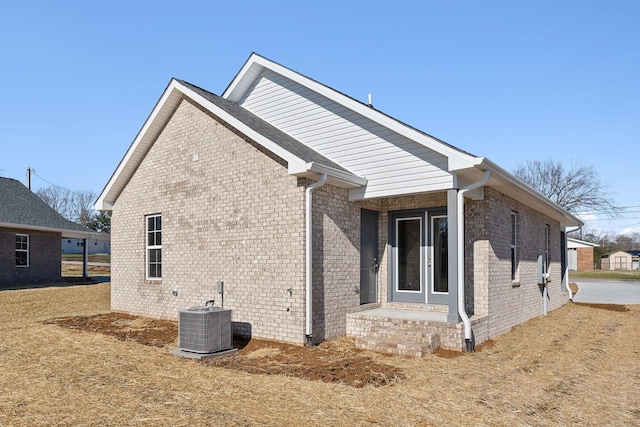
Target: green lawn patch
x=600, y=274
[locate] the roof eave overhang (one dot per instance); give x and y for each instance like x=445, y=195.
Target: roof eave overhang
x=73, y=234
x=582, y=244
x=508, y=184
x=152, y=127
x=156, y=121
x=339, y=178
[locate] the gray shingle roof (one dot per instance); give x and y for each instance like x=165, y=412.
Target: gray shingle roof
x=270, y=132
x=23, y=209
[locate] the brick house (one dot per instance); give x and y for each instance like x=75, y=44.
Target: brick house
x=324, y=217
x=580, y=254
x=30, y=236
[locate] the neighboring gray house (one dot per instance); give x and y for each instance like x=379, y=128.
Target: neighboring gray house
x=96, y=245
x=324, y=217
x=30, y=236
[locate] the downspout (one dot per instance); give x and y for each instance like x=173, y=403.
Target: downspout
x=461, y=308
x=309, y=257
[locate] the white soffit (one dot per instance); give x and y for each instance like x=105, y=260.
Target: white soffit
x=137, y=150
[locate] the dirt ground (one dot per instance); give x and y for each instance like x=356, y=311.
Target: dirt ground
x=66, y=360
x=337, y=361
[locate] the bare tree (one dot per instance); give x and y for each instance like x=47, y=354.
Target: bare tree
x=82, y=207
x=579, y=188
x=76, y=206
x=57, y=198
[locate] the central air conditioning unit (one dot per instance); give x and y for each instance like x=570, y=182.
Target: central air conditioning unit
x=204, y=329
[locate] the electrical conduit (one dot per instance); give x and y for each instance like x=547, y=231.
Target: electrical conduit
x=309, y=256
x=461, y=308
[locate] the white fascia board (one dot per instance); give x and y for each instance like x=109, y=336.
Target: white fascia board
x=140, y=145
x=337, y=177
x=540, y=201
x=577, y=243
x=244, y=78
x=65, y=233
x=101, y=205
x=455, y=156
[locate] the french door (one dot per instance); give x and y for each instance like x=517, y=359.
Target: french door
x=419, y=256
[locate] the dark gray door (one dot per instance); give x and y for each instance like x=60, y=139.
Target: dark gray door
x=368, y=256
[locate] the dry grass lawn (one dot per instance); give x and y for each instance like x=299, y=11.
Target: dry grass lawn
x=580, y=365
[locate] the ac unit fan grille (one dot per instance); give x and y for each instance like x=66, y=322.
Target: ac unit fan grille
x=204, y=329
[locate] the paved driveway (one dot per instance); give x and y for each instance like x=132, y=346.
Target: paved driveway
x=607, y=291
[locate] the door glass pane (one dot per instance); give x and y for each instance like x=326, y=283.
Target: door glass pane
x=408, y=241
x=440, y=255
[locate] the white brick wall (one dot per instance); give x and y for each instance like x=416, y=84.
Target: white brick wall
x=233, y=215
x=488, y=241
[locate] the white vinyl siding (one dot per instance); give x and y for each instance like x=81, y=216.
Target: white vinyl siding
x=392, y=163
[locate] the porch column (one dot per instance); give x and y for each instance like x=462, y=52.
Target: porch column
x=452, y=253
x=85, y=259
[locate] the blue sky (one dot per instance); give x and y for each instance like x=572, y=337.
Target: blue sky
x=509, y=80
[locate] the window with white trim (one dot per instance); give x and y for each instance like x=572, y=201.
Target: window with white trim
x=514, y=246
x=154, y=246
x=22, y=250
x=546, y=248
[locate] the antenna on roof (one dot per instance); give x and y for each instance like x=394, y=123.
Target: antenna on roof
x=370, y=103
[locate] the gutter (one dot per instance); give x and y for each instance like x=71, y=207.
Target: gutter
x=460, y=223
x=66, y=233
x=309, y=257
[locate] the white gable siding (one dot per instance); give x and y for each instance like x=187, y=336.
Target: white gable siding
x=392, y=163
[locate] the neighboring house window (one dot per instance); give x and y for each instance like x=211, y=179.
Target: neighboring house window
x=514, y=245
x=22, y=250
x=154, y=246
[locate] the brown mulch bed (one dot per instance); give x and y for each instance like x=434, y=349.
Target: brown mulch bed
x=331, y=362
x=124, y=327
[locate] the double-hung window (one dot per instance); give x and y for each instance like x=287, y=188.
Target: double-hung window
x=547, y=260
x=22, y=250
x=514, y=246
x=154, y=247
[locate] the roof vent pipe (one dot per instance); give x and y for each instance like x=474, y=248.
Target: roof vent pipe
x=461, y=306
x=309, y=257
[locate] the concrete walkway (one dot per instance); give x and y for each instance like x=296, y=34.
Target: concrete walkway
x=607, y=291
x=95, y=264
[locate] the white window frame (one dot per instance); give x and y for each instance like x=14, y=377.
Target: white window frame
x=152, y=245
x=22, y=250
x=547, y=254
x=514, y=246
